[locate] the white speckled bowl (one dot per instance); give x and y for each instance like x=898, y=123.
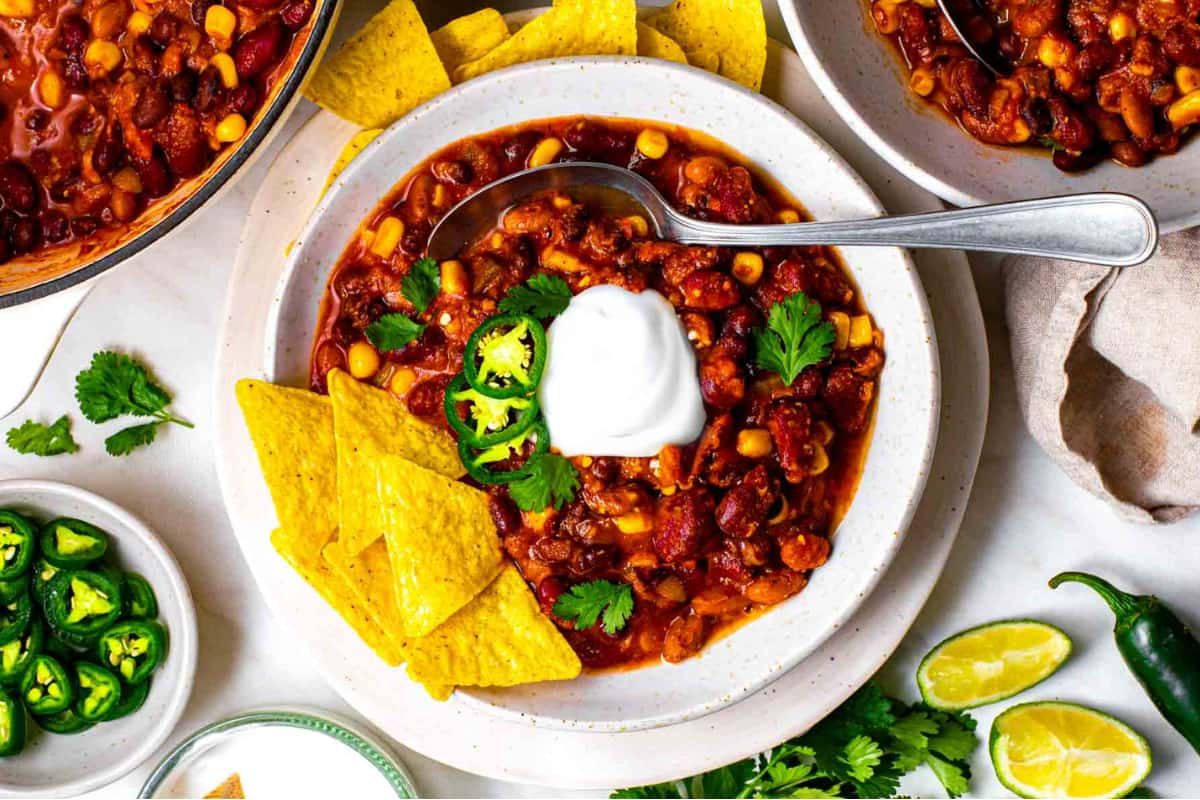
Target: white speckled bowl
x=780, y=146
x=865, y=81
x=65, y=766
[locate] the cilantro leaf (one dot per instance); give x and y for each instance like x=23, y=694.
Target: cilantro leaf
x=393, y=331
x=542, y=296
x=422, y=283
x=862, y=755
x=954, y=777
x=601, y=600
x=124, y=442
x=795, y=337
x=549, y=480
x=656, y=791
x=35, y=438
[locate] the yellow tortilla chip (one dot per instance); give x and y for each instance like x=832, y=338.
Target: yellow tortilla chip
x=352, y=149
x=724, y=36
x=441, y=539
x=652, y=44
x=470, y=37
x=501, y=639
x=292, y=430
x=382, y=72
x=369, y=576
x=369, y=422
x=303, y=551
x=569, y=28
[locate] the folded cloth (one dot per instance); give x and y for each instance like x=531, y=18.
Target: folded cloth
x=1107, y=364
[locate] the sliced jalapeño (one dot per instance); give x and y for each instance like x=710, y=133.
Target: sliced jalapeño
x=505, y=356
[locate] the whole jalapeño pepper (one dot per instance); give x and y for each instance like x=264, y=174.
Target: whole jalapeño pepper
x=1158, y=648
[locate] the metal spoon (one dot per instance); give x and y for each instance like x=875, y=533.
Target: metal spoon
x=986, y=54
x=1110, y=229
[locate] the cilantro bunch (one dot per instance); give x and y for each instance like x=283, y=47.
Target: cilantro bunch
x=861, y=750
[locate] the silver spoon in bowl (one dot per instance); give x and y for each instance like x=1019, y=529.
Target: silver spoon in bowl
x=1105, y=228
x=985, y=53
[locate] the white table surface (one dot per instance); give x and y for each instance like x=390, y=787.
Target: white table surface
x=1025, y=521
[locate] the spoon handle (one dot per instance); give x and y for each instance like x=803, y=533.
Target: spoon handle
x=1105, y=228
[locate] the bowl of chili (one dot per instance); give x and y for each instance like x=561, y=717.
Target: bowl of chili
x=1098, y=99
x=64, y=754
x=786, y=168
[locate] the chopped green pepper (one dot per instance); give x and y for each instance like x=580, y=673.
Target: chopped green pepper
x=81, y=604
x=46, y=687
x=478, y=462
x=72, y=543
x=132, y=698
x=65, y=722
x=134, y=649
x=43, y=573
x=11, y=590
x=12, y=724
x=488, y=421
x=99, y=691
x=16, y=655
x=17, y=543
x=15, y=617
x=505, y=356
x=140, y=602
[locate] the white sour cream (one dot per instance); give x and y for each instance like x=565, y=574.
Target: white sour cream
x=620, y=376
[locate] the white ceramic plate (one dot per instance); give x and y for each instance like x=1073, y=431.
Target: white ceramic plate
x=471, y=738
x=64, y=766
x=781, y=147
x=865, y=81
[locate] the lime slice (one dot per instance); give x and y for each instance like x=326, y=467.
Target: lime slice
x=1066, y=750
x=990, y=662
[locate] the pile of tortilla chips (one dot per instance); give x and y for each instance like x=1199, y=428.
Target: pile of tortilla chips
x=394, y=63
x=373, y=517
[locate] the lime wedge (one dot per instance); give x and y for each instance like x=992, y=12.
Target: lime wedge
x=990, y=662
x=1066, y=750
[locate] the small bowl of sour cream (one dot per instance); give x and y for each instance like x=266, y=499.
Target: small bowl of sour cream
x=286, y=752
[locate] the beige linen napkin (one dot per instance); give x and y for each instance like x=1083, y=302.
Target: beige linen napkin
x=1107, y=364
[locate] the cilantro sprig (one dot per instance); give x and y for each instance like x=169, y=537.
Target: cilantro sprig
x=549, y=479
x=542, y=296
x=422, y=283
x=796, y=337
x=115, y=385
x=585, y=604
x=393, y=331
x=38, y=439
x=862, y=749
x=420, y=287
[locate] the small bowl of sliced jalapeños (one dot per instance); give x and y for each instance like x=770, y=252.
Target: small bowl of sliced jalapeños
x=97, y=640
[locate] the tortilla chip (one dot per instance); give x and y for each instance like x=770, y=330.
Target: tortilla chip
x=292, y=430
x=470, y=37
x=569, y=28
x=441, y=539
x=353, y=147
x=369, y=576
x=724, y=36
x=382, y=72
x=652, y=44
x=228, y=789
x=501, y=639
x=303, y=551
x=369, y=422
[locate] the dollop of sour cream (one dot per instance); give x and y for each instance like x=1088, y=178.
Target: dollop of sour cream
x=620, y=376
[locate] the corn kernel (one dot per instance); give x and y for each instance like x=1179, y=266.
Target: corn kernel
x=402, y=380
x=52, y=90
x=128, y=180
x=785, y=511
x=363, y=360
x=1020, y=132
x=220, y=23
x=17, y=8
x=1185, y=111
x=754, y=442
x=824, y=432
x=1054, y=52
x=226, y=69
x=748, y=268
x=105, y=55
x=560, y=201
x=860, y=331
x=820, y=460
x=387, y=236
x=926, y=3
x=138, y=23
x=787, y=216
x=546, y=151
x=635, y=522
x=652, y=144
x=1122, y=26
x=841, y=328
x=454, y=278
x=638, y=226
x=231, y=128
x=885, y=16
x=563, y=262
x=1187, y=79
x=922, y=82
x=439, y=196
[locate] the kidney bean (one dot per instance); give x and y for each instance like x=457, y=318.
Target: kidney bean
x=84, y=226
x=183, y=142
x=152, y=106
x=552, y=549
x=548, y=592
x=616, y=500
x=210, y=90
x=257, y=51
x=199, y=8
x=799, y=548
x=5, y=250
x=849, y=398
x=26, y=235
x=790, y=425
x=37, y=120
x=708, y=290
x=154, y=174
x=55, y=225
x=592, y=558
x=504, y=514
x=295, y=15
x=244, y=99
x=916, y=34
x=744, y=508
x=683, y=523
x=517, y=148
x=722, y=384
x=74, y=73
x=425, y=399
x=73, y=33
x=164, y=28
x=18, y=188
x=685, y=637
x=1129, y=154
x=108, y=155
x=182, y=86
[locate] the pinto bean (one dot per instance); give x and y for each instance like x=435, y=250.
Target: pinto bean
x=18, y=188
x=744, y=508
x=683, y=524
x=685, y=637
x=849, y=398
x=800, y=548
x=257, y=51
x=790, y=425
x=775, y=587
